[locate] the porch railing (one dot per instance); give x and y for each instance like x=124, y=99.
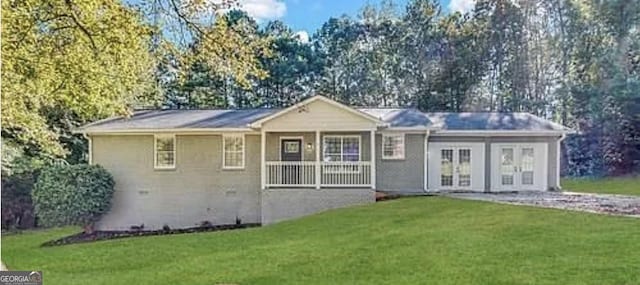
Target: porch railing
x=331, y=174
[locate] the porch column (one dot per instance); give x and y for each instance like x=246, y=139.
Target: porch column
x=263, y=164
x=373, y=159
x=318, y=172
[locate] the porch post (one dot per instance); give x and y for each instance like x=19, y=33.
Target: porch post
x=373, y=159
x=263, y=155
x=318, y=172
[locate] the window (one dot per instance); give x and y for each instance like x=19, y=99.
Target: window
x=341, y=148
x=393, y=146
x=338, y=149
x=233, y=151
x=446, y=167
x=165, y=151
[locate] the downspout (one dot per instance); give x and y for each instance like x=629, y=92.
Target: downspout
x=426, y=161
x=558, y=159
x=90, y=148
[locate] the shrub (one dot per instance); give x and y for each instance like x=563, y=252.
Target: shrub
x=17, y=208
x=72, y=195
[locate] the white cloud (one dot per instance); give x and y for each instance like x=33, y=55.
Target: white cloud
x=302, y=36
x=461, y=6
x=264, y=9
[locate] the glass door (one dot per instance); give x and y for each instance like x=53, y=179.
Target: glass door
x=463, y=168
x=527, y=164
x=446, y=168
x=507, y=166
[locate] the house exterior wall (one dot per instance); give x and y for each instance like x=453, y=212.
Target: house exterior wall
x=552, y=154
x=283, y=204
x=319, y=115
x=405, y=175
x=197, y=190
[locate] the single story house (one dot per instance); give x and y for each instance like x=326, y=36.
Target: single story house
x=184, y=167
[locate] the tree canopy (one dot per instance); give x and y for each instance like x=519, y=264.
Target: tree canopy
x=576, y=62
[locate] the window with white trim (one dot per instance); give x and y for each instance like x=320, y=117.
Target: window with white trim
x=341, y=148
x=233, y=151
x=164, y=151
x=392, y=146
x=338, y=150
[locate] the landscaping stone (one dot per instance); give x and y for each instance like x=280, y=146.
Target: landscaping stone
x=594, y=203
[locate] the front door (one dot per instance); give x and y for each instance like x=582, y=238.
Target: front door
x=520, y=167
x=291, y=152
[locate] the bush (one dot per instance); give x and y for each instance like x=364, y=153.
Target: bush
x=72, y=195
x=17, y=208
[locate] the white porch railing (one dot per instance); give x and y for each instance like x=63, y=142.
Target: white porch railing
x=332, y=174
x=354, y=174
x=291, y=173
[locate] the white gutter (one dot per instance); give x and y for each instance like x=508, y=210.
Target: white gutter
x=426, y=161
x=169, y=130
x=90, y=148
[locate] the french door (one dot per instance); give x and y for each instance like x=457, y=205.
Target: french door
x=455, y=168
x=519, y=167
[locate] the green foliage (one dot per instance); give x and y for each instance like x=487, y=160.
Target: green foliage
x=625, y=185
x=17, y=207
x=576, y=62
x=72, y=195
x=89, y=59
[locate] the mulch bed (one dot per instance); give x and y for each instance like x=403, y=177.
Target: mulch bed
x=107, y=235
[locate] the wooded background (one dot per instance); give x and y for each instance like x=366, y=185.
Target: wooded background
x=69, y=62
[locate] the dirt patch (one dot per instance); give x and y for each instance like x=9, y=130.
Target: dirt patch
x=107, y=235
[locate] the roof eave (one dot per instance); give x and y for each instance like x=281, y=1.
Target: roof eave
x=160, y=130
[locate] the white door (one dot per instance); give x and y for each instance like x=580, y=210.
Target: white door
x=518, y=167
x=456, y=166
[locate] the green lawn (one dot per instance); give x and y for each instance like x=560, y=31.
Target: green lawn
x=426, y=240
x=613, y=185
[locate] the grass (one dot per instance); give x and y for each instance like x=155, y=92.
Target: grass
x=426, y=240
x=629, y=185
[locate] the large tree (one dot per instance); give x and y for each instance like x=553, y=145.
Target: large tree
x=67, y=62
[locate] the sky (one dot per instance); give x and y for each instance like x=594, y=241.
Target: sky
x=306, y=16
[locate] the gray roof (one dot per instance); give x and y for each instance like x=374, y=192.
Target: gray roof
x=181, y=119
x=492, y=121
x=398, y=118
x=466, y=121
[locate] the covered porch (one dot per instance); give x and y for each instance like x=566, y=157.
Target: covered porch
x=319, y=159
x=318, y=143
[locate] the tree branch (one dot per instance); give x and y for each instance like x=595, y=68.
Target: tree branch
x=84, y=30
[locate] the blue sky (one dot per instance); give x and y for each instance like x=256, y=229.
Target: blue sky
x=309, y=15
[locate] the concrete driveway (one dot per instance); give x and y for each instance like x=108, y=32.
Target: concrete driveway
x=594, y=203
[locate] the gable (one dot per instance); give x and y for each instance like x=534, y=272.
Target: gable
x=320, y=114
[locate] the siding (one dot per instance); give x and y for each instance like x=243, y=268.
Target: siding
x=406, y=175
x=197, y=190
x=319, y=115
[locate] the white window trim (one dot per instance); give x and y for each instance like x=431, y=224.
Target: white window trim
x=394, y=157
x=244, y=151
x=155, y=151
x=342, y=137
